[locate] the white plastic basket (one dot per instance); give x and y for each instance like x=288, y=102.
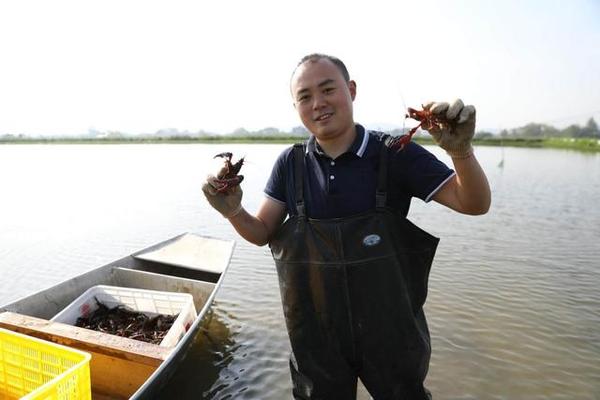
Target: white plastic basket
x=149, y=302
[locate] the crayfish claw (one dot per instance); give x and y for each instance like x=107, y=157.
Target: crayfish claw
x=226, y=155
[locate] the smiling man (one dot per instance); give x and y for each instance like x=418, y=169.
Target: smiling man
x=352, y=269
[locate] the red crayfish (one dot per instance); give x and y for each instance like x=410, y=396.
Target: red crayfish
x=228, y=177
x=424, y=116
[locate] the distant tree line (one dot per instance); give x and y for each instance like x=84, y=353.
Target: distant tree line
x=170, y=134
x=298, y=131
x=534, y=130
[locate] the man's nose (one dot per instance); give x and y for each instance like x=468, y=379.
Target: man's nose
x=319, y=101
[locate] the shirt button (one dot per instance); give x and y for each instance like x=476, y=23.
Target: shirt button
x=333, y=163
x=331, y=177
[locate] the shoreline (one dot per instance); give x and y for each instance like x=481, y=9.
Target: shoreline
x=580, y=144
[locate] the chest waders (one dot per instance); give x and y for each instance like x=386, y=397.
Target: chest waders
x=353, y=290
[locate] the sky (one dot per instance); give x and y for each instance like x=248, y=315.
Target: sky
x=67, y=67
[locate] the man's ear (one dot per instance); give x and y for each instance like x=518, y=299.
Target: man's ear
x=352, y=88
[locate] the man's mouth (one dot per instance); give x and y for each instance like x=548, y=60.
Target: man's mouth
x=324, y=117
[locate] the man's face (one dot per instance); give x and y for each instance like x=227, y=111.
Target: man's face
x=323, y=98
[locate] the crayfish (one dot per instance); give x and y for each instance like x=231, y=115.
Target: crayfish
x=228, y=177
x=424, y=116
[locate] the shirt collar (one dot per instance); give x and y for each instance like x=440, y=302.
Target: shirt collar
x=358, y=147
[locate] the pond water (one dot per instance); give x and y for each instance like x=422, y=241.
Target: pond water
x=513, y=306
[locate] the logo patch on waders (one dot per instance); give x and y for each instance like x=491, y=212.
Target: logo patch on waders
x=371, y=240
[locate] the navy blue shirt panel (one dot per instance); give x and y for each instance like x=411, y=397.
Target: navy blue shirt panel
x=346, y=185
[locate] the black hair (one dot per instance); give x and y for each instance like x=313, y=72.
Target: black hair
x=318, y=56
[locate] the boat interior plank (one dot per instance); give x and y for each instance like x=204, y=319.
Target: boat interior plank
x=173, y=270
x=86, y=339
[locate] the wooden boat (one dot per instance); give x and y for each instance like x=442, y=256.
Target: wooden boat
x=124, y=368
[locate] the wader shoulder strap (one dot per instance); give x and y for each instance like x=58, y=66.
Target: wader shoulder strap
x=299, y=150
x=382, y=178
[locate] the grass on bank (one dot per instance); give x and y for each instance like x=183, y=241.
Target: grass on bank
x=581, y=144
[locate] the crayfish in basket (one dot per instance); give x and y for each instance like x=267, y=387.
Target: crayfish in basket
x=228, y=177
x=425, y=117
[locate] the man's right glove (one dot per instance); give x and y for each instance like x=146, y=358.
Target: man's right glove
x=229, y=203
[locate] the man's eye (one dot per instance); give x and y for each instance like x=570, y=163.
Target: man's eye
x=328, y=90
x=302, y=99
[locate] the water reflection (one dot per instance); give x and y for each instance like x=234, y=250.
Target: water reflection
x=205, y=362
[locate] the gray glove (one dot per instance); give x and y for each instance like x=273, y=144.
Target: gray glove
x=456, y=132
x=229, y=204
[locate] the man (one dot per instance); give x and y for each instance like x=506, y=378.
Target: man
x=352, y=270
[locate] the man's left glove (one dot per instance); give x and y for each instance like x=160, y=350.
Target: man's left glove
x=456, y=132
x=228, y=204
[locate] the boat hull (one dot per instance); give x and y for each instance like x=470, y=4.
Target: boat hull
x=32, y=314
